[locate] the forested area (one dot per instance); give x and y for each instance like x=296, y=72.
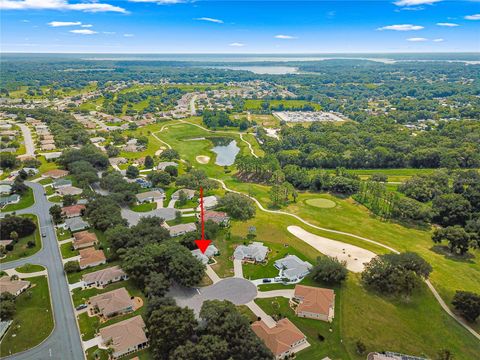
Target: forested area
x=377, y=144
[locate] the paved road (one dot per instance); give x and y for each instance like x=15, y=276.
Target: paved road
x=27, y=138
x=64, y=342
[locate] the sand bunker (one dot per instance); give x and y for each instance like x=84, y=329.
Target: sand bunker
x=158, y=152
x=355, y=256
x=321, y=203
x=203, y=159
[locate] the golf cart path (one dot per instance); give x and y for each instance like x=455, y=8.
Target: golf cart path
x=429, y=284
x=260, y=206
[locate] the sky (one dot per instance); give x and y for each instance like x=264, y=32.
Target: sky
x=184, y=26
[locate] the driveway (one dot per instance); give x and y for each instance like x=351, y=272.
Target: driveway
x=238, y=291
x=64, y=341
x=286, y=293
x=257, y=310
x=237, y=268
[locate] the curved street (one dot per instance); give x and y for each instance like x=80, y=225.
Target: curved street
x=64, y=341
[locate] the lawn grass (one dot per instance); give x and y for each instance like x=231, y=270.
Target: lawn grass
x=63, y=234
x=45, y=181
x=49, y=190
x=20, y=249
x=33, y=321
x=46, y=165
x=68, y=251
x=26, y=200
x=144, y=207
x=55, y=199
x=183, y=220
x=29, y=268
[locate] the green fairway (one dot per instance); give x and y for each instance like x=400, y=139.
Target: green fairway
x=321, y=203
x=33, y=321
x=29, y=268
x=26, y=200
x=21, y=248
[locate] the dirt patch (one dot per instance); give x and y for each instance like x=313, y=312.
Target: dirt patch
x=203, y=159
x=354, y=256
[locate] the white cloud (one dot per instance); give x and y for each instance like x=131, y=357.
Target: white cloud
x=236, y=44
x=402, y=27
x=86, y=25
x=284, y=37
x=415, y=2
x=109, y=32
x=128, y=35
x=25, y=21
x=64, y=23
x=83, y=32
x=413, y=8
x=438, y=40
x=58, y=5
x=161, y=2
x=218, y=21
x=473, y=17
x=447, y=24
x=417, y=39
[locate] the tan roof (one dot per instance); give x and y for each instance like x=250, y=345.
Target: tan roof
x=84, y=237
x=279, y=338
x=215, y=216
x=113, y=301
x=56, y=173
x=315, y=300
x=12, y=286
x=125, y=334
x=91, y=256
x=72, y=210
x=104, y=275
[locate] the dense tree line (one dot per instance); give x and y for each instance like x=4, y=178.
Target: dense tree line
x=219, y=119
x=377, y=144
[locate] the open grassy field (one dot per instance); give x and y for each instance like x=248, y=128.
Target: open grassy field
x=29, y=268
x=21, y=248
x=26, y=200
x=33, y=321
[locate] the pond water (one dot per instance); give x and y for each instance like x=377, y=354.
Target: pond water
x=226, y=153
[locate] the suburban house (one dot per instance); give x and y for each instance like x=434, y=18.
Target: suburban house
x=91, y=257
x=284, y=339
x=210, y=252
x=150, y=196
x=112, y=303
x=69, y=190
x=188, y=192
x=292, y=268
x=55, y=174
x=255, y=252
x=209, y=202
x=102, y=278
x=84, y=239
x=5, y=188
x=14, y=287
x=182, y=229
x=314, y=303
x=125, y=337
x=73, y=210
x=164, y=164
x=75, y=224
x=47, y=147
x=61, y=183
x=218, y=217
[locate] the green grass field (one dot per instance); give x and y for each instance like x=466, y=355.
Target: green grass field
x=26, y=200
x=144, y=207
x=288, y=104
x=21, y=249
x=33, y=321
x=29, y=268
x=68, y=251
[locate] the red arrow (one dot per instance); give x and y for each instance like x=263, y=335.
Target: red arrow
x=203, y=243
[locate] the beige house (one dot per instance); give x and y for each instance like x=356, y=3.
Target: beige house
x=14, y=287
x=73, y=210
x=284, y=339
x=109, y=304
x=102, y=278
x=55, y=174
x=125, y=337
x=314, y=303
x=150, y=196
x=84, y=239
x=91, y=257
x=181, y=229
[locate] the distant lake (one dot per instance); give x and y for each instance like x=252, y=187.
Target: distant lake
x=226, y=153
